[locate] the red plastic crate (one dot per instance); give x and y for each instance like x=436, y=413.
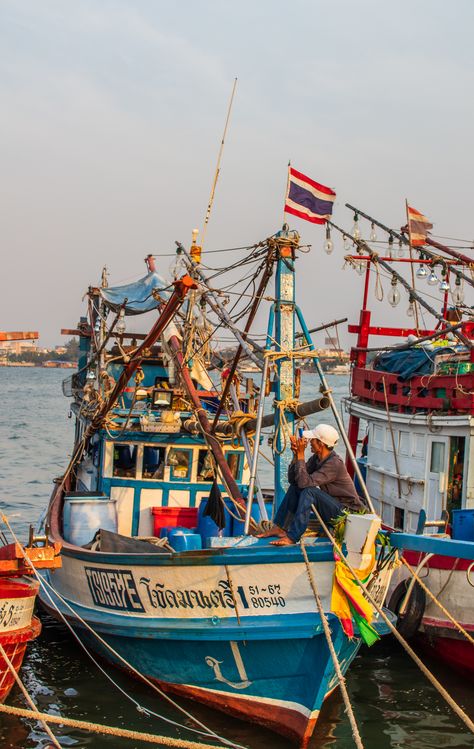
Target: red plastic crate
x=170, y=517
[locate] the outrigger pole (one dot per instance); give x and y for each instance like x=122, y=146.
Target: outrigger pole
x=374, y=257
x=403, y=238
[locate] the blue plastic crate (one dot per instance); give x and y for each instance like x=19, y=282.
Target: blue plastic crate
x=463, y=525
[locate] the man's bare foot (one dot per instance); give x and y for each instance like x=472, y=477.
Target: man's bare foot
x=283, y=541
x=275, y=530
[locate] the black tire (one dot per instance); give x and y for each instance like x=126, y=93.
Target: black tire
x=409, y=623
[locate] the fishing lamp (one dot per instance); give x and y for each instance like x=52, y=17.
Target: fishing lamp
x=373, y=233
x=121, y=326
x=394, y=293
x=432, y=278
x=161, y=398
x=360, y=267
x=355, y=228
x=421, y=272
x=401, y=248
x=328, y=243
x=347, y=245
x=390, y=247
x=411, y=306
x=458, y=293
x=444, y=285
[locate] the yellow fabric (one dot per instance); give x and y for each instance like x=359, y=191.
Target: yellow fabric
x=345, y=589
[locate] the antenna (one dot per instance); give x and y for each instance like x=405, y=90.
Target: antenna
x=219, y=157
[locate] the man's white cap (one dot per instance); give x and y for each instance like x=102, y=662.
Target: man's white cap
x=325, y=433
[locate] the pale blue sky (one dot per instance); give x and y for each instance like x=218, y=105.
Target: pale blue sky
x=111, y=115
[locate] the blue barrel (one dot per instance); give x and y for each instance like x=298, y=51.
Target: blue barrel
x=463, y=525
x=207, y=528
x=183, y=539
x=238, y=525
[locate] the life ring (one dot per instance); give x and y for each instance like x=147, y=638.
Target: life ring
x=409, y=623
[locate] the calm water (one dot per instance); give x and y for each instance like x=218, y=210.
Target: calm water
x=394, y=705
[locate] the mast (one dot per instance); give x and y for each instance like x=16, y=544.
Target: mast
x=286, y=243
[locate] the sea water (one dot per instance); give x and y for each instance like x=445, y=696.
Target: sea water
x=396, y=708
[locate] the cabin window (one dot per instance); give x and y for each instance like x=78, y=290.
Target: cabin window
x=153, y=462
x=205, y=470
x=399, y=518
x=437, y=457
x=234, y=461
x=125, y=461
x=180, y=462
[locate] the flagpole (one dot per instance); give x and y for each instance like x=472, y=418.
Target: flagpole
x=415, y=305
x=287, y=191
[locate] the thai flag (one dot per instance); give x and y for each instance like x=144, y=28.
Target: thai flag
x=308, y=199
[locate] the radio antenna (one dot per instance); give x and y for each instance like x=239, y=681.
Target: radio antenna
x=219, y=157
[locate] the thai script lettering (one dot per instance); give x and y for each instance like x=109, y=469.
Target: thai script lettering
x=11, y=615
x=113, y=589
x=161, y=597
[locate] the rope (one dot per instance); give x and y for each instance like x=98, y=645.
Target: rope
x=431, y=678
x=45, y=584
x=106, y=730
x=337, y=666
x=26, y=695
x=437, y=602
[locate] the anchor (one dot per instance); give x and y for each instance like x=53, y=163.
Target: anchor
x=216, y=666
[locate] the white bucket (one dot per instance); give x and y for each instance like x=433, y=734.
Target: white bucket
x=359, y=537
x=82, y=518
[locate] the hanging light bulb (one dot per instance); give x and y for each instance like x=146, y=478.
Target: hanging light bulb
x=411, y=307
x=347, y=244
x=328, y=243
x=394, y=293
x=97, y=325
x=355, y=228
x=401, y=248
x=360, y=267
x=90, y=375
x=391, y=253
x=433, y=278
x=121, y=326
x=444, y=285
x=458, y=293
x=373, y=233
x=178, y=266
x=421, y=272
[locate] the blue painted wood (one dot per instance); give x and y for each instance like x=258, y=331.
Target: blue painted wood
x=433, y=545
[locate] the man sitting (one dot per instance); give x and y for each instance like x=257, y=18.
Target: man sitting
x=323, y=481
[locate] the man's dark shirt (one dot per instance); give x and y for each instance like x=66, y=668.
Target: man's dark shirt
x=330, y=475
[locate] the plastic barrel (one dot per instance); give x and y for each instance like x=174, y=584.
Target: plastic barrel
x=207, y=528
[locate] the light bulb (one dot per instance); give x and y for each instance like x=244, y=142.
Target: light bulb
x=411, y=310
x=391, y=253
x=90, y=375
x=401, y=249
x=360, y=267
x=347, y=244
x=433, y=279
x=97, y=325
x=394, y=295
x=373, y=233
x=177, y=267
x=444, y=285
x=421, y=272
x=121, y=326
x=355, y=229
x=328, y=246
x=458, y=295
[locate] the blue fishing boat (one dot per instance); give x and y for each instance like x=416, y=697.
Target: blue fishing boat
x=155, y=510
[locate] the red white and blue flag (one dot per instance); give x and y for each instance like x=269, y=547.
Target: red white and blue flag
x=308, y=199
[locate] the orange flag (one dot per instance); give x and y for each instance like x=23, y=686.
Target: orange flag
x=418, y=226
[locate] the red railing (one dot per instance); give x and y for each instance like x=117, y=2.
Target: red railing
x=446, y=393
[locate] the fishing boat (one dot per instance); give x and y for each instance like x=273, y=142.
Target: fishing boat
x=156, y=508
x=18, y=591
x=416, y=401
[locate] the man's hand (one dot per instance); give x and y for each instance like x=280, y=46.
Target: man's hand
x=293, y=441
x=300, y=445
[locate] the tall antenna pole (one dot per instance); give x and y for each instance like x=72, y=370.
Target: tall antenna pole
x=219, y=157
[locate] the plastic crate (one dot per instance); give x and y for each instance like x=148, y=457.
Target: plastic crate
x=170, y=517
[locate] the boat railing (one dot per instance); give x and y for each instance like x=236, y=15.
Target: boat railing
x=447, y=393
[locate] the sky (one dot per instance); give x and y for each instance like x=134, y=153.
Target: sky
x=111, y=116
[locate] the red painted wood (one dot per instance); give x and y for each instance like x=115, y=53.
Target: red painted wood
x=457, y=391
x=378, y=330
x=16, y=589
x=15, y=646
x=438, y=562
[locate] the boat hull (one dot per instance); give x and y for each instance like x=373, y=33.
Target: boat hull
x=17, y=626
